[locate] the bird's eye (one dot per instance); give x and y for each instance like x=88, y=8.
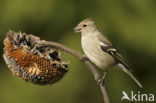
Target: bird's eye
x=84, y=25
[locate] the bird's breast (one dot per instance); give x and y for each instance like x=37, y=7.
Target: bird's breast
x=95, y=54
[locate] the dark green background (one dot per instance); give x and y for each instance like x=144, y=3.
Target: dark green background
x=129, y=24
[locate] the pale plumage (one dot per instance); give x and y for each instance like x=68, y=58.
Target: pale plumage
x=96, y=54
x=99, y=49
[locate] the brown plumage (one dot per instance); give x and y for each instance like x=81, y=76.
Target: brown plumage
x=36, y=64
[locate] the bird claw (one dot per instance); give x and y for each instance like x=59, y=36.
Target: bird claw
x=101, y=79
x=84, y=59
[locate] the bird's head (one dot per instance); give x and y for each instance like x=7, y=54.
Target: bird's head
x=86, y=26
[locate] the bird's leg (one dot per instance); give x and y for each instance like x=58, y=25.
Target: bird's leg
x=101, y=80
x=84, y=58
x=104, y=75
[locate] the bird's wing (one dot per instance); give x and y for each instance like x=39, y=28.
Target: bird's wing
x=107, y=46
x=103, y=39
x=113, y=52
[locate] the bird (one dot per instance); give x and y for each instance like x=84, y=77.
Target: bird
x=99, y=50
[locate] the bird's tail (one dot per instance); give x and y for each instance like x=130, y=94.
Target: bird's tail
x=129, y=73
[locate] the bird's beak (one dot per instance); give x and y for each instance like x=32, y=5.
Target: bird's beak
x=77, y=29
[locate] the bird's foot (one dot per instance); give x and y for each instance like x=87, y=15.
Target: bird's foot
x=101, y=80
x=84, y=59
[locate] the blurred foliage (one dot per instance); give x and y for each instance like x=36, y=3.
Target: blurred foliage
x=129, y=24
